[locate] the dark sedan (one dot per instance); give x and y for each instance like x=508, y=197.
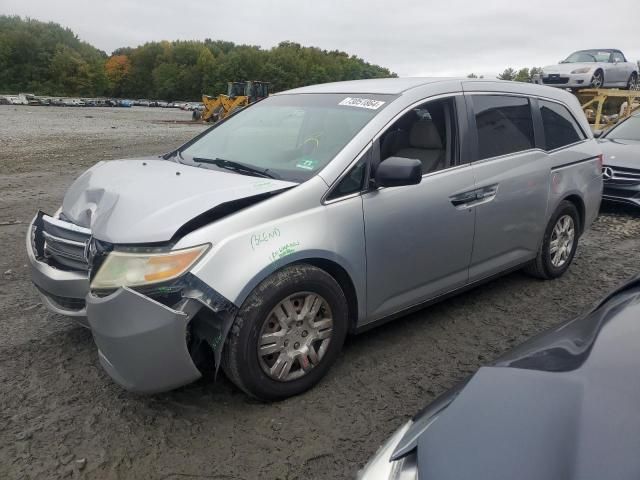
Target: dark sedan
x=621, y=169
x=564, y=405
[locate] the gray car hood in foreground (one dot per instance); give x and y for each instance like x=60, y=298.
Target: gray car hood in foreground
x=148, y=200
x=621, y=153
x=563, y=406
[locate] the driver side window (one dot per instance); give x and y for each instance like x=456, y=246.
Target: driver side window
x=426, y=133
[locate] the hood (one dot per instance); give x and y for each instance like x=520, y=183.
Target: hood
x=566, y=68
x=148, y=200
x=544, y=408
x=621, y=153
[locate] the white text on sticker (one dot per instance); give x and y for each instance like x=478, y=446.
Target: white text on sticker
x=362, y=103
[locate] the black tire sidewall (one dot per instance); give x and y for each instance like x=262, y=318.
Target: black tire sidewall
x=565, y=208
x=253, y=314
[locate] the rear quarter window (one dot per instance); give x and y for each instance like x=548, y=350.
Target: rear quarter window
x=504, y=125
x=560, y=128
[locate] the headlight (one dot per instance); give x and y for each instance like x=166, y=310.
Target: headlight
x=581, y=70
x=381, y=468
x=122, y=269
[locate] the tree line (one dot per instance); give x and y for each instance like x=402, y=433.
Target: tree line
x=48, y=59
x=522, y=75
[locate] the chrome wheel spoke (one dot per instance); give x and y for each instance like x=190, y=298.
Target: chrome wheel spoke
x=322, y=334
x=312, y=355
x=281, y=367
x=323, y=323
x=289, y=310
x=270, y=343
x=312, y=304
x=283, y=318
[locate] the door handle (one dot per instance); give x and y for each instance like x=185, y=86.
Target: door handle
x=486, y=194
x=474, y=197
x=463, y=199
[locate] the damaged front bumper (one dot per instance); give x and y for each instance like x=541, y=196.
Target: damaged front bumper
x=145, y=345
x=61, y=291
x=142, y=344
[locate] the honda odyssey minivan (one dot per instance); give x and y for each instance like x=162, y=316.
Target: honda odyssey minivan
x=314, y=213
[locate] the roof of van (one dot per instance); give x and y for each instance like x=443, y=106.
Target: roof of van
x=375, y=85
x=398, y=86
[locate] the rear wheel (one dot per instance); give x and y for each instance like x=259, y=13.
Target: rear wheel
x=287, y=334
x=597, y=81
x=559, y=243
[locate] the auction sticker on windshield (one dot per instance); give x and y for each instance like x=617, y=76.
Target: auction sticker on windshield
x=362, y=103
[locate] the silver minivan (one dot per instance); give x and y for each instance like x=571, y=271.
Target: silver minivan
x=320, y=211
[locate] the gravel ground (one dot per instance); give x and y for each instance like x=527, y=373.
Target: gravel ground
x=61, y=416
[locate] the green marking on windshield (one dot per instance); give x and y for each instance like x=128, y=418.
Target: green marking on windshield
x=308, y=164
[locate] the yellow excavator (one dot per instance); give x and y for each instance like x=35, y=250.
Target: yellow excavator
x=239, y=95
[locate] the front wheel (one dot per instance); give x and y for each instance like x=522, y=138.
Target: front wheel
x=287, y=334
x=597, y=81
x=559, y=243
x=632, y=84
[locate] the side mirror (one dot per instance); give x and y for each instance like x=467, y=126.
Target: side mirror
x=399, y=171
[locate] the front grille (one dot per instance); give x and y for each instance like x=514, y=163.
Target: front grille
x=65, y=303
x=626, y=176
x=555, y=80
x=65, y=243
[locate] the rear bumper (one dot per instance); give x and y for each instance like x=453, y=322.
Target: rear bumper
x=142, y=344
x=62, y=291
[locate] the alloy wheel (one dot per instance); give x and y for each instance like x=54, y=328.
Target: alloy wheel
x=597, y=80
x=295, y=336
x=562, y=240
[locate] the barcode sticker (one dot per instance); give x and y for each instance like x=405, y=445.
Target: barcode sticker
x=362, y=103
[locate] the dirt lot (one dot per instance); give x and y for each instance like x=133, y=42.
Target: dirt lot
x=61, y=416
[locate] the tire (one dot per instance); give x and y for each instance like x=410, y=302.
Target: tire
x=195, y=115
x=543, y=266
x=632, y=84
x=597, y=81
x=256, y=323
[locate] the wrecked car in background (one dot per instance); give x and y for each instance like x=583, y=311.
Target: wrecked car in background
x=249, y=241
x=563, y=405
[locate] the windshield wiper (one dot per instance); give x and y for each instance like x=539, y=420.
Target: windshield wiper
x=236, y=167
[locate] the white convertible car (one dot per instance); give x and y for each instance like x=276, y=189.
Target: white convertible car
x=592, y=69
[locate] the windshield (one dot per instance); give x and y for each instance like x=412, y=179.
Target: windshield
x=627, y=130
x=290, y=137
x=584, y=56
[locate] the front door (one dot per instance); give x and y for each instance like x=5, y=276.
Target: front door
x=419, y=238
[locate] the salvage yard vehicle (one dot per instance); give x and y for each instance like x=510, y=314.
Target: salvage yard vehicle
x=313, y=213
x=563, y=405
x=621, y=162
x=592, y=69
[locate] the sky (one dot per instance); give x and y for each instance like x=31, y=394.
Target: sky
x=410, y=37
